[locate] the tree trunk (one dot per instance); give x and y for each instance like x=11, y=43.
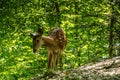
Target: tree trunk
x=112, y=21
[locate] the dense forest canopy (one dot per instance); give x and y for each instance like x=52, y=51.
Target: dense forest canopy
x=92, y=28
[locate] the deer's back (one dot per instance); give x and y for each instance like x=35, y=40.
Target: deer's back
x=59, y=37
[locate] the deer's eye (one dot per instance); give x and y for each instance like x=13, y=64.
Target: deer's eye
x=37, y=40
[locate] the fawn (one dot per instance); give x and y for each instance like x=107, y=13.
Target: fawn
x=55, y=42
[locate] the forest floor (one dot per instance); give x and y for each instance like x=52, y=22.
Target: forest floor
x=108, y=69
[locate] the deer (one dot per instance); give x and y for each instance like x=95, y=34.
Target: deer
x=55, y=43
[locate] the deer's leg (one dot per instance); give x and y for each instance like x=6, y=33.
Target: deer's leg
x=60, y=59
x=54, y=60
x=49, y=58
x=57, y=58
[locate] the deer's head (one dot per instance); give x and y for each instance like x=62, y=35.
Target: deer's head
x=37, y=39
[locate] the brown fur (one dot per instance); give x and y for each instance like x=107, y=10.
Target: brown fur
x=55, y=43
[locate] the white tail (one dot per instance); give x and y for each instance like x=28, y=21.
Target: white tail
x=55, y=43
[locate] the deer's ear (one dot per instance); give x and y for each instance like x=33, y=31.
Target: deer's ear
x=40, y=31
x=32, y=34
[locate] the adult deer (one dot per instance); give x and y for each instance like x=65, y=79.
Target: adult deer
x=55, y=43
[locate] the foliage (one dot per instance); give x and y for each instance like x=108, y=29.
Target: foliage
x=86, y=24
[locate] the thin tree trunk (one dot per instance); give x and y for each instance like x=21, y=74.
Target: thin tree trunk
x=112, y=21
x=76, y=32
x=111, y=37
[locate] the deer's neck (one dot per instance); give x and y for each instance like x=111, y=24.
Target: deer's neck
x=48, y=41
